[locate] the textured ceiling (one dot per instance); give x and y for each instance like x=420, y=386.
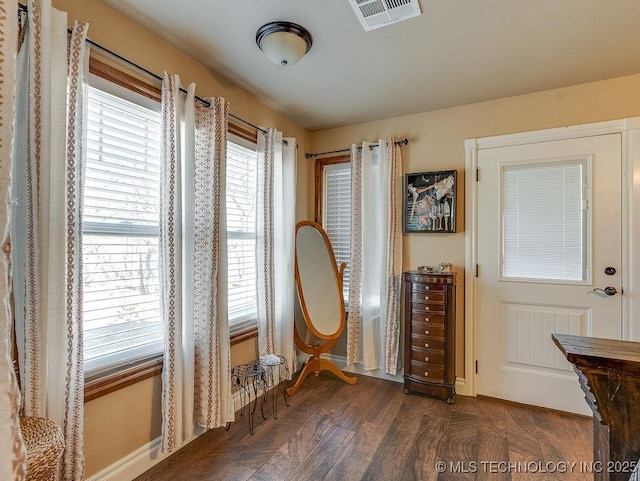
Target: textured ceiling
x=457, y=52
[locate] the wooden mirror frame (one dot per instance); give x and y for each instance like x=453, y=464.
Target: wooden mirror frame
x=316, y=364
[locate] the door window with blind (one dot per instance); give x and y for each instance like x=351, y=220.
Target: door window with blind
x=241, y=234
x=545, y=219
x=336, y=212
x=121, y=228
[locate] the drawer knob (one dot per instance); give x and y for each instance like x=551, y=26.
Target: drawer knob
x=426, y=308
x=426, y=374
x=426, y=319
x=426, y=332
x=426, y=298
x=426, y=344
x=426, y=288
x=426, y=359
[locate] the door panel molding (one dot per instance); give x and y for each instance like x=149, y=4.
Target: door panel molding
x=630, y=130
x=540, y=321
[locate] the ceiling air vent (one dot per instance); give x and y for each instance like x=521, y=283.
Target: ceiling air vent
x=378, y=13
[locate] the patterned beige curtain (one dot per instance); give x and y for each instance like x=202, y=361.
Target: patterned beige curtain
x=275, y=245
x=355, y=285
x=208, y=283
x=12, y=452
x=196, y=376
x=46, y=235
x=373, y=326
x=72, y=377
x=175, y=389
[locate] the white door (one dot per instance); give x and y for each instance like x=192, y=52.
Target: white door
x=549, y=233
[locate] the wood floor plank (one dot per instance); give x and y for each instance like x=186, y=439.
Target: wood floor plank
x=491, y=416
x=459, y=450
x=558, y=454
x=357, y=456
x=387, y=410
x=274, y=432
x=426, y=450
x=392, y=454
x=339, y=401
x=225, y=470
x=363, y=400
x=432, y=406
x=492, y=463
x=466, y=404
x=279, y=466
x=320, y=461
x=580, y=436
x=524, y=445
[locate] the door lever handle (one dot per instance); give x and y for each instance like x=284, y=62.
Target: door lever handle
x=607, y=291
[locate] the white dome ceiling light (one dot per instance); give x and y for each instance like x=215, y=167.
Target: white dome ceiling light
x=284, y=43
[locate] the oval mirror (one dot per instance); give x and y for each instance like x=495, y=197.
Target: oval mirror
x=319, y=287
x=319, y=282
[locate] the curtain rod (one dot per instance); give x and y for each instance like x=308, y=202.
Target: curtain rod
x=152, y=74
x=309, y=155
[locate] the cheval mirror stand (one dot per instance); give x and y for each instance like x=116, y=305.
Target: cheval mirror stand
x=319, y=288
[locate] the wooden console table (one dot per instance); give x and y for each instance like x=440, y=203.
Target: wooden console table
x=609, y=374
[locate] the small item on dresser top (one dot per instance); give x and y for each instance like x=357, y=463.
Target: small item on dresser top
x=445, y=267
x=427, y=269
x=440, y=268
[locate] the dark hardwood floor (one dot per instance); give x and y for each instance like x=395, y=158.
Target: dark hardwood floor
x=372, y=431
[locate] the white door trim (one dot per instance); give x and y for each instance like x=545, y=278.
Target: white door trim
x=630, y=131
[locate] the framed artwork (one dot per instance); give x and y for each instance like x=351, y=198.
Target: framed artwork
x=430, y=202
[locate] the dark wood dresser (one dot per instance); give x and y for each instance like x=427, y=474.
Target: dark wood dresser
x=430, y=334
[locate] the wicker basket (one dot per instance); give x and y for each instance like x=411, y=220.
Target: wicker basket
x=44, y=443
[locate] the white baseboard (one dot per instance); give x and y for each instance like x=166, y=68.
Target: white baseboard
x=145, y=457
x=462, y=388
x=132, y=465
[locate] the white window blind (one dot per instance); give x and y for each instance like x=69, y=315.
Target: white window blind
x=336, y=213
x=241, y=235
x=120, y=232
x=544, y=224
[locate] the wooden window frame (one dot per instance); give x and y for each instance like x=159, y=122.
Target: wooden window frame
x=319, y=176
x=101, y=384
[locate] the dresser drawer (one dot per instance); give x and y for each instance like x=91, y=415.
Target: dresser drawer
x=417, y=287
x=426, y=343
x=427, y=372
x=428, y=296
x=427, y=318
x=428, y=330
x=428, y=356
x=427, y=308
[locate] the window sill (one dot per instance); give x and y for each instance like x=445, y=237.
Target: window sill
x=100, y=385
x=103, y=384
x=244, y=335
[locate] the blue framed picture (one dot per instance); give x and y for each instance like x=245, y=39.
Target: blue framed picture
x=430, y=202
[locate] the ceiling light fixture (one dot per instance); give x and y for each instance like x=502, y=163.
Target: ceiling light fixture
x=284, y=43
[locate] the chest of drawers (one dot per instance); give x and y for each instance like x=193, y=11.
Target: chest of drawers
x=430, y=334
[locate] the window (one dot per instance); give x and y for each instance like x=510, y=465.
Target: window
x=241, y=234
x=544, y=221
x=121, y=228
x=122, y=330
x=333, y=176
